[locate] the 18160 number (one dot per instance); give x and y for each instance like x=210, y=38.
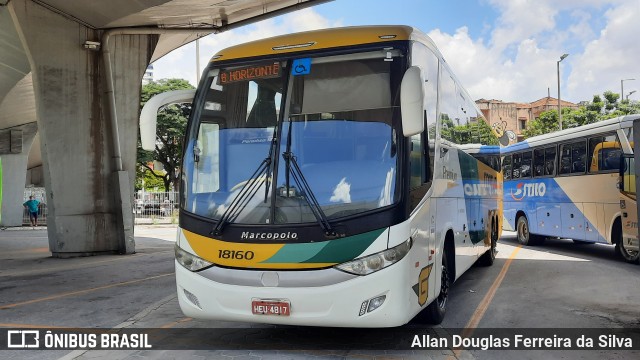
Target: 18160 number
x=235, y=254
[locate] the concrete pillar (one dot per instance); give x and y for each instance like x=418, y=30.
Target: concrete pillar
x=86, y=194
x=14, y=170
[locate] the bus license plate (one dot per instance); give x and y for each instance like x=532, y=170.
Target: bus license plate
x=270, y=307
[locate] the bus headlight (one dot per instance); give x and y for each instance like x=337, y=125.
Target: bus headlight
x=377, y=261
x=190, y=261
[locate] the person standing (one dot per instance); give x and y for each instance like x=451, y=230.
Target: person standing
x=32, y=206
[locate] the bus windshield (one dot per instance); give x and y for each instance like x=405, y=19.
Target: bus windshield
x=337, y=130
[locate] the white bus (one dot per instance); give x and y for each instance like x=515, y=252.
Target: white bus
x=318, y=187
x=564, y=184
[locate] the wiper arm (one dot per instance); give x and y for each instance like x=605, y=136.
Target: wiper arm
x=298, y=177
x=248, y=191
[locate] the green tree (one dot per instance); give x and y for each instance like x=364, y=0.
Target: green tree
x=172, y=123
x=546, y=123
x=473, y=132
x=627, y=107
x=600, y=108
x=149, y=180
x=611, y=101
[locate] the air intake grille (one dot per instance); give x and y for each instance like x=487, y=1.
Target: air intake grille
x=192, y=298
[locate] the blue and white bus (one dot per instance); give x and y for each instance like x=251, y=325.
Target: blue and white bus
x=564, y=184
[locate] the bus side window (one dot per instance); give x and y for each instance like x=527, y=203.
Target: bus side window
x=525, y=167
x=549, y=161
x=605, y=153
x=517, y=161
x=578, y=157
x=421, y=171
x=417, y=161
x=565, y=159
x=595, y=147
x=506, y=167
x=538, y=162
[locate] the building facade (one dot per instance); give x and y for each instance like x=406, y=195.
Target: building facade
x=512, y=117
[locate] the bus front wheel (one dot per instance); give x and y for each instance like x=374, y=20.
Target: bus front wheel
x=434, y=313
x=630, y=256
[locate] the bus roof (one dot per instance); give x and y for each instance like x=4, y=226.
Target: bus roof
x=573, y=133
x=480, y=149
x=319, y=39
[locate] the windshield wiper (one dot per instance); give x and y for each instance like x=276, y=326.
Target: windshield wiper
x=248, y=191
x=292, y=168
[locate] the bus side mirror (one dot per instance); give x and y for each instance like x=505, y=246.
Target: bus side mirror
x=149, y=114
x=411, y=100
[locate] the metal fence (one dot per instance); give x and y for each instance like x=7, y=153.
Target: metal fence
x=148, y=208
x=156, y=207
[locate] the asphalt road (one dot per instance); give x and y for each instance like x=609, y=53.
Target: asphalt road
x=556, y=285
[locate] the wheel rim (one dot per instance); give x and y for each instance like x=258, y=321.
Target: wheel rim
x=523, y=231
x=628, y=254
x=444, y=288
x=494, y=240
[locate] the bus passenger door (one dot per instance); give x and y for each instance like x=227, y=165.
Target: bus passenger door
x=628, y=203
x=572, y=221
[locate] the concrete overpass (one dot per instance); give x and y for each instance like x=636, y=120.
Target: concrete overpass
x=70, y=74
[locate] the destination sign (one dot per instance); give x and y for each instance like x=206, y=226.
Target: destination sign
x=249, y=73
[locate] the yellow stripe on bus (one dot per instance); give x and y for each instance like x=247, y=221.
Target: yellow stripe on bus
x=314, y=40
x=242, y=255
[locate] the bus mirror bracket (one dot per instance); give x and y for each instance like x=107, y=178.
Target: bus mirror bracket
x=149, y=114
x=411, y=100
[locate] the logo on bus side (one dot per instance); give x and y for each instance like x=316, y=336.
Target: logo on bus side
x=480, y=189
x=528, y=190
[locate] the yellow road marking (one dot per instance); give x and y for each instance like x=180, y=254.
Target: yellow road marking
x=80, y=265
x=486, y=301
x=174, y=323
x=79, y=292
x=35, y=250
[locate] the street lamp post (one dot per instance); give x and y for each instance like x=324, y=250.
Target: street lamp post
x=629, y=94
x=622, y=88
x=559, y=106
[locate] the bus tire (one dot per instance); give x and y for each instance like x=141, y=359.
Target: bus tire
x=488, y=258
x=522, y=229
x=434, y=313
x=630, y=256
